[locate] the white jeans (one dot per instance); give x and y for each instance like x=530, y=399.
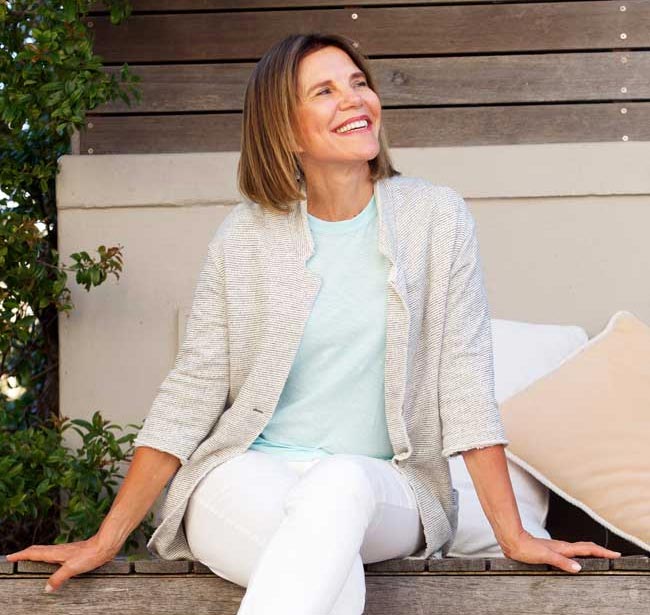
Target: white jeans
x=297, y=533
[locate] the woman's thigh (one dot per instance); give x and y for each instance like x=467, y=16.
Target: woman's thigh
x=235, y=509
x=395, y=529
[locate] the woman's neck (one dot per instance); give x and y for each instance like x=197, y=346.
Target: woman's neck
x=341, y=196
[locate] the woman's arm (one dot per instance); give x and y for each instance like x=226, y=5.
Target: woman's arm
x=150, y=470
x=489, y=471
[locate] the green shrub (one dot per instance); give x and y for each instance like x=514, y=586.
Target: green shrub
x=36, y=467
x=49, y=78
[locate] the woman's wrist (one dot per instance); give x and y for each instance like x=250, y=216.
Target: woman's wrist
x=111, y=535
x=509, y=542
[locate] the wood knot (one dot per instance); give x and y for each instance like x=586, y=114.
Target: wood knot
x=398, y=78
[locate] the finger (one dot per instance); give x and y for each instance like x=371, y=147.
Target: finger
x=563, y=563
x=57, y=579
x=587, y=548
x=52, y=554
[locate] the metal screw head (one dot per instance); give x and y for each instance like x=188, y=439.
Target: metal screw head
x=624, y=60
x=626, y=138
x=623, y=36
x=90, y=24
x=624, y=90
x=355, y=44
x=91, y=150
x=623, y=9
x=90, y=124
x=623, y=110
x=355, y=16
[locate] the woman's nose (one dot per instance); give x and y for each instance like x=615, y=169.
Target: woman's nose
x=352, y=99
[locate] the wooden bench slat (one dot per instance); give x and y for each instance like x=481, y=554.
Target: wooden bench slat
x=407, y=564
x=122, y=566
x=457, y=564
x=161, y=566
x=200, y=568
x=507, y=564
x=5, y=566
x=631, y=562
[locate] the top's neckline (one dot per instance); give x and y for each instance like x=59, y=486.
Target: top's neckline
x=343, y=226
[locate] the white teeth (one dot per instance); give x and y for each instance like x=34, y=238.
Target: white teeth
x=352, y=126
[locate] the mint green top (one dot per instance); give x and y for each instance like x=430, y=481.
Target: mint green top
x=333, y=399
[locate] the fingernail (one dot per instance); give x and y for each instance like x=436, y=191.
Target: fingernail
x=48, y=588
x=616, y=553
x=575, y=566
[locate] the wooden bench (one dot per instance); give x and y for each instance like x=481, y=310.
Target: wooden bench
x=407, y=586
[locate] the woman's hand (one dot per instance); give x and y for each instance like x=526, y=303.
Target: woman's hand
x=74, y=557
x=527, y=548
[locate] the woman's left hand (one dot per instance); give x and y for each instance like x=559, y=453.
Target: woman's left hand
x=527, y=548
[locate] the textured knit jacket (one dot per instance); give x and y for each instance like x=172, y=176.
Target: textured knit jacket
x=253, y=297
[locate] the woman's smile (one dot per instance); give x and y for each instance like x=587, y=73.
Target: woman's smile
x=361, y=124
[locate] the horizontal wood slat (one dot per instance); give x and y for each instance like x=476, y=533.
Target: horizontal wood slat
x=444, y=126
x=164, y=6
x=394, y=31
x=481, y=593
x=147, y=566
x=415, y=81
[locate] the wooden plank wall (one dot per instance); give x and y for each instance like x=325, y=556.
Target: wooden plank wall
x=449, y=72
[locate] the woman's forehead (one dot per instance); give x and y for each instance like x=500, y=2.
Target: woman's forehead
x=327, y=63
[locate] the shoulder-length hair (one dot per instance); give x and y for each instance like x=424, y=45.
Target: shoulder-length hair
x=269, y=171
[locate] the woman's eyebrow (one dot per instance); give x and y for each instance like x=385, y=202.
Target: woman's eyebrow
x=329, y=81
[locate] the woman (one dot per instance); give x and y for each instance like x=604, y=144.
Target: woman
x=338, y=351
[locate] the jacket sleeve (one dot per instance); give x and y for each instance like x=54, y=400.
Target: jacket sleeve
x=194, y=393
x=469, y=412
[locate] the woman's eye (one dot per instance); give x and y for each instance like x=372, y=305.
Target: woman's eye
x=361, y=83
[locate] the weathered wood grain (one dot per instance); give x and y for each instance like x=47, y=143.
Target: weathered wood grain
x=417, y=127
x=161, y=566
x=5, y=566
x=163, y=6
x=506, y=564
x=631, y=562
x=410, y=594
x=457, y=564
x=590, y=564
x=407, y=564
x=473, y=80
x=200, y=568
x=399, y=31
x=32, y=567
x=115, y=566
x=450, y=585
x=497, y=594
x=126, y=595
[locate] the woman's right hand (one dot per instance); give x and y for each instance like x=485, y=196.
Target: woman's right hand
x=74, y=557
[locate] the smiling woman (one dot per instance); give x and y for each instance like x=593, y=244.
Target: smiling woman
x=317, y=393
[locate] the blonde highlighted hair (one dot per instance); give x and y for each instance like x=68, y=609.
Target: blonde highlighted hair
x=269, y=171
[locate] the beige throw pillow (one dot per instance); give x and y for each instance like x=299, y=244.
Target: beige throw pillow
x=584, y=429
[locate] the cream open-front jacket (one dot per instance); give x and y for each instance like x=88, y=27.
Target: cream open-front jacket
x=251, y=302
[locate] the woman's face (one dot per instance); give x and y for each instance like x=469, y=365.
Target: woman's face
x=325, y=107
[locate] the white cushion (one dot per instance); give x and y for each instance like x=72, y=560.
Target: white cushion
x=523, y=352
